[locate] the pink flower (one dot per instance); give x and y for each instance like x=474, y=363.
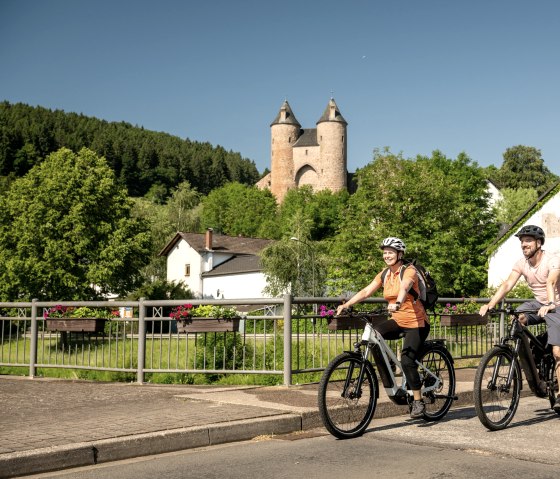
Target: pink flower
x=181, y=312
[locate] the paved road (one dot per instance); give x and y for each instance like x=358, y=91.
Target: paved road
x=458, y=447
x=533, y=435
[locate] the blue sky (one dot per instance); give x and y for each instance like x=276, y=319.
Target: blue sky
x=473, y=76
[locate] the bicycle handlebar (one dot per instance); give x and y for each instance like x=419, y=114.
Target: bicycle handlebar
x=365, y=314
x=511, y=310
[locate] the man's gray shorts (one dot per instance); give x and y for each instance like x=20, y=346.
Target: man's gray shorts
x=552, y=320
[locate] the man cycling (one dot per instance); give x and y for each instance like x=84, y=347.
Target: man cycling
x=408, y=316
x=541, y=270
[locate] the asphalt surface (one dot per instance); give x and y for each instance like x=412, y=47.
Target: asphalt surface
x=52, y=424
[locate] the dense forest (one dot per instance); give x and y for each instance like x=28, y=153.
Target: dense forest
x=143, y=161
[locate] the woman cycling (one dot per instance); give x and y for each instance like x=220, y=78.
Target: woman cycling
x=408, y=316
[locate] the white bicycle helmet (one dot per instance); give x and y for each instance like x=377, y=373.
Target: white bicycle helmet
x=392, y=242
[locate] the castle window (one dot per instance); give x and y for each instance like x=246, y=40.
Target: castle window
x=305, y=152
x=289, y=139
x=342, y=138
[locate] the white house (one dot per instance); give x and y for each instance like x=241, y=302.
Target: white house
x=216, y=266
x=495, y=193
x=545, y=212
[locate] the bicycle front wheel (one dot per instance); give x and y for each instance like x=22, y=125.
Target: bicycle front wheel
x=495, y=400
x=438, y=363
x=346, y=405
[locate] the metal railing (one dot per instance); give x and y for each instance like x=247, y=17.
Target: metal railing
x=279, y=336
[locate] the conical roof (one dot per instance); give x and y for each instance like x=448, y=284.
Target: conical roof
x=332, y=113
x=285, y=116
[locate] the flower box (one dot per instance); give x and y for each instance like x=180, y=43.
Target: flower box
x=207, y=325
x=343, y=323
x=77, y=325
x=463, y=319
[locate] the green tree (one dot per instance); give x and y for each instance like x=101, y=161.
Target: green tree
x=161, y=289
x=180, y=213
x=438, y=206
x=183, y=209
x=66, y=232
x=324, y=208
x=514, y=202
x=523, y=167
x=281, y=265
x=295, y=264
x=237, y=209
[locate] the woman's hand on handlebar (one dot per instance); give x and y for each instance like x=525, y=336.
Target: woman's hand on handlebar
x=483, y=310
x=341, y=309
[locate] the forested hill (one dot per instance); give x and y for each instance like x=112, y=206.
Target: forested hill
x=142, y=159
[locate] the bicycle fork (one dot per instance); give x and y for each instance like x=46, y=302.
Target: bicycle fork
x=504, y=388
x=353, y=388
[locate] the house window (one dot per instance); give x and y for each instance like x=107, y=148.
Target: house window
x=187, y=270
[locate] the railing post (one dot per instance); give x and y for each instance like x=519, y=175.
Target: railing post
x=141, y=341
x=287, y=340
x=34, y=341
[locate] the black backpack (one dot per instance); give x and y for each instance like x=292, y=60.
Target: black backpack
x=426, y=283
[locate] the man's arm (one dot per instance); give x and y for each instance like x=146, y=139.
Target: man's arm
x=504, y=289
x=551, y=283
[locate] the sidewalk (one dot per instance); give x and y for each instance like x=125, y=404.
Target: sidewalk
x=50, y=424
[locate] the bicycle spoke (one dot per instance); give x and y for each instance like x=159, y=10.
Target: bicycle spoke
x=438, y=399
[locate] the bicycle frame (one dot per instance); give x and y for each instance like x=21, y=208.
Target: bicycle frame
x=521, y=337
x=375, y=342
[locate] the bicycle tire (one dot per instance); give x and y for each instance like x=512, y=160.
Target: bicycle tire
x=551, y=380
x=345, y=412
x=495, y=406
x=438, y=401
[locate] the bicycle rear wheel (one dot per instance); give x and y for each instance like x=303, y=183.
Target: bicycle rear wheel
x=346, y=407
x=495, y=402
x=438, y=401
x=551, y=380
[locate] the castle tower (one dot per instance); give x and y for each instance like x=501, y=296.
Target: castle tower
x=285, y=131
x=314, y=156
x=332, y=140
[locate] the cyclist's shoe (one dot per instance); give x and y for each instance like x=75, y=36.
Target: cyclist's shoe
x=556, y=406
x=418, y=409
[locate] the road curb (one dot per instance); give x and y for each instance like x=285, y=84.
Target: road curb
x=115, y=449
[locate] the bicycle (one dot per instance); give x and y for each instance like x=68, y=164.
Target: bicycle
x=498, y=380
x=349, y=388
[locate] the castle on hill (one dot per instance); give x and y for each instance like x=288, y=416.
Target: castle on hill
x=312, y=156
